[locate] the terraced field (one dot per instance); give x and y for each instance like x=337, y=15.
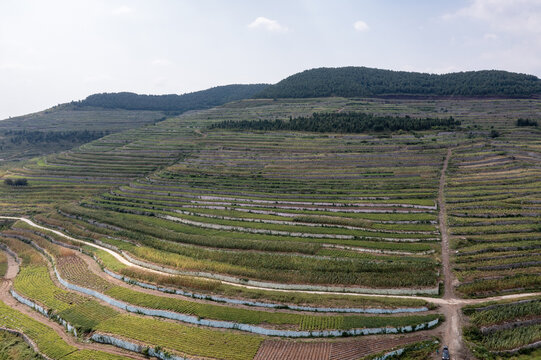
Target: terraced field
x=35, y=284
x=32, y=135
x=12, y=346
x=190, y=230
x=493, y=198
x=74, y=270
x=504, y=327
x=373, y=212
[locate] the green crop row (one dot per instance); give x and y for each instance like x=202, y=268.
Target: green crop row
x=184, y=339
x=296, y=269
x=507, y=339
x=378, y=272
x=75, y=270
x=492, y=192
x=511, y=283
x=215, y=287
x=14, y=347
x=34, y=282
x=505, y=313
x=46, y=339
x=85, y=314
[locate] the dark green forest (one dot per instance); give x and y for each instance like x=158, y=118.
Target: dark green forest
x=173, y=103
x=348, y=122
x=33, y=137
x=368, y=82
x=526, y=122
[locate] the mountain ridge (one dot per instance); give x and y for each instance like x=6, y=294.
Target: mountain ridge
x=354, y=81
x=211, y=97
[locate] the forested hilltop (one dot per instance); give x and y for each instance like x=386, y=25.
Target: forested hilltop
x=367, y=82
x=173, y=103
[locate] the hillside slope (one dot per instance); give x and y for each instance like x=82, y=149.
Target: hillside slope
x=64, y=127
x=67, y=126
x=368, y=82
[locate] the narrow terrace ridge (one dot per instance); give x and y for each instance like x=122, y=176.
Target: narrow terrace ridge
x=435, y=300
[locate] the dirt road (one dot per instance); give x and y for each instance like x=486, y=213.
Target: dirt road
x=452, y=300
x=449, y=303
x=6, y=298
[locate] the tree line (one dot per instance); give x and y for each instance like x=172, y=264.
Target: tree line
x=345, y=122
x=16, y=182
x=173, y=103
x=369, y=82
x=33, y=137
x=526, y=122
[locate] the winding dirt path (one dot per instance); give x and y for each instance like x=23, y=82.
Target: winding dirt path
x=449, y=303
x=6, y=298
x=435, y=300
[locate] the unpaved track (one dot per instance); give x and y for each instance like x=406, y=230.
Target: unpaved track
x=442, y=217
x=6, y=298
x=438, y=301
x=450, y=304
x=452, y=334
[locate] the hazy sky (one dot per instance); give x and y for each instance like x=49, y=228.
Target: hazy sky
x=56, y=51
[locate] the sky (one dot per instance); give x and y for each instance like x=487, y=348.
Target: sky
x=57, y=51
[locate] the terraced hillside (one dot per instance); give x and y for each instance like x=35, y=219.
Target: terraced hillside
x=278, y=237
x=65, y=127
x=505, y=328
x=493, y=200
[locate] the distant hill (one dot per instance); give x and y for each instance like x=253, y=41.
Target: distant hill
x=66, y=126
x=173, y=103
x=369, y=82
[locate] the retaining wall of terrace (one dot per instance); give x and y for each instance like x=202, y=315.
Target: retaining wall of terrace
x=238, y=326
x=390, y=354
x=298, y=223
x=124, y=344
x=254, y=230
x=43, y=311
x=213, y=297
x=534, y=345
x=263, y=284
x=377, y=251
x=27, y=340
x=10, y=252
x=264, y=304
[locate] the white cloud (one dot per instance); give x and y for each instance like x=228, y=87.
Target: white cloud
x=123, y=10
x=516, y=22
x=490, y=36
x=360, y=25
x=510, y=16
x=161, y=62
x=268, y=24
